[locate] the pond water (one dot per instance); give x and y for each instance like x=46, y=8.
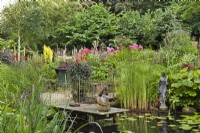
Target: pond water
x=131, y=123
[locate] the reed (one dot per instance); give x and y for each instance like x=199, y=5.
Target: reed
x=132, y=85
x=22, y=111
x=137, y=78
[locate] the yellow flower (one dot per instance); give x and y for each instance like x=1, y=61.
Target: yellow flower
x=48, y=54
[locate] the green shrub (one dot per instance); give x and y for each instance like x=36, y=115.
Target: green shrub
x=185, y=87
x=6, y=57
x=137, y=79
x=95, y=22
x=78, y=71
x=102, y=69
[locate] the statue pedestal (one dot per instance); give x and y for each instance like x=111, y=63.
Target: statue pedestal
x=163, y=107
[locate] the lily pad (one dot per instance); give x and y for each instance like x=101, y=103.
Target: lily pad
x=185, y=127
x=126, y=132
x=171, y=125
x=121, y=119
x=159, y=124
x=147, y=114
x=182, y=122
x=140, y=116
x=151, y=118
x=183, y=116
x=193, y=122
x=123, y=116
x=195, y=130
x=131, y=119
x=161, y=118
x=153, y=127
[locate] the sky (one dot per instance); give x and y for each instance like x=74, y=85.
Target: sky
x=4, y=3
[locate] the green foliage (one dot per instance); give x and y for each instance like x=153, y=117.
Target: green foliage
x=65, y=22
x=178, y=50
x=188, y=12
x=102, y=70
x=91, y=24
x=122, y=40
x=137, y=79
x=21, y=86
x=32, y=116
x=128, y=21
x=6, y=44
x=132, y=85
x=185, y=87
x=30, y=27
x=18, y=77
x=6, y=57
x=148, y=29
x=188, y=58
x=78, y=71
x=36, y=21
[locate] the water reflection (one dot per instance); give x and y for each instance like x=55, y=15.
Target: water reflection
x=163, y=129
x=139, y=125
x=133, y=124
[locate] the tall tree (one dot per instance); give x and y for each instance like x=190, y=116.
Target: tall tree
x=35, y=22
x=24, y=21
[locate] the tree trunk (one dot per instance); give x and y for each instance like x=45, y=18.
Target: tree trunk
x=19, y=45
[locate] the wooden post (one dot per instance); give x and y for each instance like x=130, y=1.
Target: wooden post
x=14, y=52
x=115, y=118
x=19, y=46
x=90, y=118
x=24, y=51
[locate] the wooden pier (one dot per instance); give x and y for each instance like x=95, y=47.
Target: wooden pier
x=90, y=113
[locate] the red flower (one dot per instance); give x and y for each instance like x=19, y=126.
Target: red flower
x=25, y=58
x=15, y=57
x=76, y=60
x=190, y=66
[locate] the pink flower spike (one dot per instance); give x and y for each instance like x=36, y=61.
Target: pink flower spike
x=140, y=47
x=135, y=45
x=131, y=46
x=86, y=50
x=110, y=49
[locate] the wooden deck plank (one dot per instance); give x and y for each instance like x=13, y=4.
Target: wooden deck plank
x=91, y=109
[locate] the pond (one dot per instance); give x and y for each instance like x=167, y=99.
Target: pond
x=144, y=123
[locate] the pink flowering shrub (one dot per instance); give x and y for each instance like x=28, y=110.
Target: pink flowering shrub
x=80, y=55
x=110, y=50
x=86, y=50
x=135, y=47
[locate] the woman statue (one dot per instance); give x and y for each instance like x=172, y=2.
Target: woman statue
x=162, y=89
x=103, y=100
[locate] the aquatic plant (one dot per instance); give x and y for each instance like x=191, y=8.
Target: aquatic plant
x=132, y=85
x=137, y=78
x=22, y=110
x=184, y=87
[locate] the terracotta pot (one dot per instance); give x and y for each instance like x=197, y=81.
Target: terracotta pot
x=63, y=64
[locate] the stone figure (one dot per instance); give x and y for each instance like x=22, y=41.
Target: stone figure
x=162, y=89
x=103, y=100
